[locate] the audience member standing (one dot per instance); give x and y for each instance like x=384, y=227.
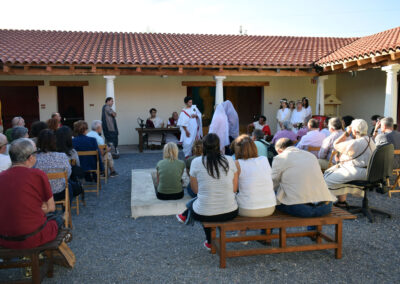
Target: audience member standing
x=220, y=126
x=335, y=128
x=313, y=137
x=5, y=161
x=110, y=128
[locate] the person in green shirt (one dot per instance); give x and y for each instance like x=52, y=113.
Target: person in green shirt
x=169, y=174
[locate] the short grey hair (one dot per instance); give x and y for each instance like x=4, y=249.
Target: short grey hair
x=287, y=125
x=21, y=149
x=3, y=139
x=18, y=132
x=360, y=126
x=96, y=123
x=258, y=134
x=335, y=123
x=283, y=143
x=16, y=120
x=388, y=122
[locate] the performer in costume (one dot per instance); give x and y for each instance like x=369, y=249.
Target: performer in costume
x=220, y=126
x=283, y=114
x=298, y=119
x=307, y=108
x=191, y=126
x=154, y=122
x=172, y=123
x=233, y=120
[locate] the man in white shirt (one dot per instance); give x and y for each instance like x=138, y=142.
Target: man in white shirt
x=5, y=161
x=313, y=138
x=96, y=134
x=298, y=180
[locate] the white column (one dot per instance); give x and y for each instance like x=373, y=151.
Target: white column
x=110, y=88
x=320, y=101
x=391, y=91
x=219, y=89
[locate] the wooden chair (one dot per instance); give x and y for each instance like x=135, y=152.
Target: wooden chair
x=97, y=170
x=73, y=163
x=330, y=164
x=313, y=149
x=65, y=203
x=396, y=172
x=103, y=149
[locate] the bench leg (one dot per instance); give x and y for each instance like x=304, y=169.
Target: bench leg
x=268, y=233
x=282, y=237
x=35, y=268
x=338, y=239
x=213, y=237
x=50, y=263
x=222, y=248
x=319, y=230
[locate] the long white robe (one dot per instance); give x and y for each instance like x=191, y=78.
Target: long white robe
x=282, y=115
x=298, y=117
x=193, y=125
x=156, y=138
x=220, y=126
x=233, y=119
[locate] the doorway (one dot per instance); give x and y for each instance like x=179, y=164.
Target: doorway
x=19, y=101
x=70, y=104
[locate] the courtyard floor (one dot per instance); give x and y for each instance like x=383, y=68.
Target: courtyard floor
x=111, y=247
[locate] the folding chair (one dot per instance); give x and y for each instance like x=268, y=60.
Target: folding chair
x=396, y=172
x=103, y=149
x=65, y=203
x=97, y=170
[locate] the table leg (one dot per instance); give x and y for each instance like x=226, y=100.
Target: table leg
x=140, y=142
x=338, y=240
x=35, y=268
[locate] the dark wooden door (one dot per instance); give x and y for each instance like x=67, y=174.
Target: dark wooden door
x=19, y=101
x=70, y=104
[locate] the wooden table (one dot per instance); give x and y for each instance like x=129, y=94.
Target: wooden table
x=142, y=131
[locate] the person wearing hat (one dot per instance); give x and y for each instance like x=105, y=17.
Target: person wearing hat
x=283, y=114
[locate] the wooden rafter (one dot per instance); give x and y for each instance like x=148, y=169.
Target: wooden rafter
x=21, y=83
x=226, y=83
x=69, y=83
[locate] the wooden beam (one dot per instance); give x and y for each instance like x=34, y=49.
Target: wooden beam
x=6, y=68
x=69, y=83
x=138, y=69
x=49, y=69
x=394, y=56
x=361, y=62
x=94, y=68
x=348, y=64
x=19, y=83
x=336, y=66
x=226, y=83
x=180, y=70
x=327, y=68
x=26, y=68
x=376, y=59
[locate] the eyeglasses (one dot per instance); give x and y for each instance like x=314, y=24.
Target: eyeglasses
x=3, y=145
x=32, y=154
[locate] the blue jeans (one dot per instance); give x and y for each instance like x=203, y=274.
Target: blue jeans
x=190, y=192
x=305, y=210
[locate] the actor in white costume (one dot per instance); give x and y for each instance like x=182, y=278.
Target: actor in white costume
x=307, y=108
x=283, y=114
x=191, y=126
x=233, y=119
x=154, y=122
x=298, y=117
x=220, y=126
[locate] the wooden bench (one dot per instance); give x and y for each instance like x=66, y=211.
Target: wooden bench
x=18, y=258
x=279, y=221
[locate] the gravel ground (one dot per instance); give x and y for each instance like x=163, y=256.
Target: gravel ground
x=111, y=247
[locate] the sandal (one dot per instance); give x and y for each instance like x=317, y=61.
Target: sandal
x=341, y=204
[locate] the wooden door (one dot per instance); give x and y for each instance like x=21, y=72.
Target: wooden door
x=70, y=104
x=19, y=101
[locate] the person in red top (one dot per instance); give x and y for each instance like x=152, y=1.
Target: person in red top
x=26, y=198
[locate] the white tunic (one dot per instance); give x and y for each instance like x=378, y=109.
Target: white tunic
x=193, y=125
x=156, y=138
x=308, y=113
x=282, y=115
x=220, y=126
x=298, y=117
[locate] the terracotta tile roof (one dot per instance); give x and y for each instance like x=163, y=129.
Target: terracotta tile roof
x=373, y=45
x=52, y=47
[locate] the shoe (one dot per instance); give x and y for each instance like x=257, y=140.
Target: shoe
x=113, y=174
x=207, y=245
x=181, y=218
x=341, y=204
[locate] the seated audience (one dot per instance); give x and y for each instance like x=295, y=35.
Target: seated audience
x=172, y=122
x=346, y=121
x=5, y=161
x=81, y=142
x=297, y=177
x=51, y=161
x=214, y=179
x=256, y=197
x=335, y=128
x=197, y=151
x=261, y=124
x=16, y=121
x=388, y=135
x=19, y=132
x=169, y=174
x=374, y=119
x=57, y=116
x=64, y=144
x=264, y=148
x=154, y=139
x=325, y=130
x=286, y=132
x=25, y=201
x=354, y=158
x=53, y=124
x=301, y=132
x=36, y=127
x=96, y=134
x=313, y=137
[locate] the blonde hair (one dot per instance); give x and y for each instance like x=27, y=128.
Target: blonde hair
x=170, y=151
x=360, y=127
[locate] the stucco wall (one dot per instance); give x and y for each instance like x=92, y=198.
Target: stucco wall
x=135, y=95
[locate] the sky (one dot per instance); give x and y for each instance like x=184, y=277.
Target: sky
x=334, y=18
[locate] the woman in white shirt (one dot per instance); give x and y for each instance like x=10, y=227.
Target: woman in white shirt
x=283, y=114
x=213, y=177
x=256, y=197
x=307, y=108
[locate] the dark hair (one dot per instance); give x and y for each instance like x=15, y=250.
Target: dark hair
x=64, y=140
x=80, y=127
x=109, y=99
x=335, y=122
x=187, y=99
x=347, y=119
x=306, y=103
x=313, y=123
x=36, y=127
x=263, y=117
x=151, y=110
x=47, y=141
x=375, y=117
x=212, y=156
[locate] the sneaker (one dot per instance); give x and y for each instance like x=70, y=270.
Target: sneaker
x=181, y=218
x=113, y=174
x=207, y=245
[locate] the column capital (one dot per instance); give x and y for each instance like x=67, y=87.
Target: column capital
x=391, y=68
x=322, y=78
x=110, y=77
x=219, y=78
